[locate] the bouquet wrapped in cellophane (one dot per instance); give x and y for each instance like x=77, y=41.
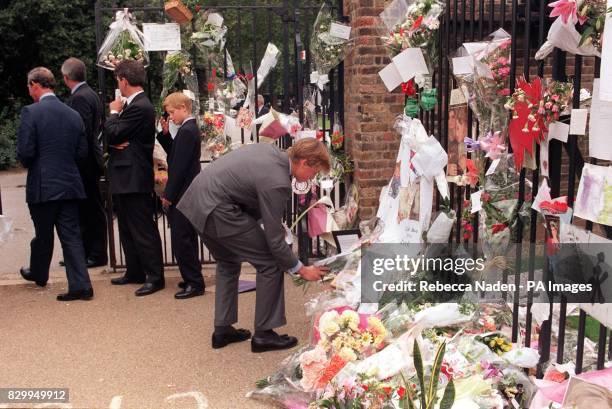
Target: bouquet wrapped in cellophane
x=492, y=83
x=213, y=134
x=124, y=41
x=327, y=49
x=413, y=24
x=177, y=64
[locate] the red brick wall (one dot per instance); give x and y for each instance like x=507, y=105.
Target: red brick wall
x=370, y=109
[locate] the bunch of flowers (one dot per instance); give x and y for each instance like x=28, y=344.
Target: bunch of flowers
x=418, y=30
x=326, y=50
x=589, y=14
x=492, y=85
x=213, y=134
x=534, y=108
x=496, y=342
x=124, y=41
x=337, y=137
x=178, y=65
x=124, y=49
x=209, y=36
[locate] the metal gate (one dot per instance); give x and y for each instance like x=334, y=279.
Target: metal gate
x=287, y=24
x=528, y=22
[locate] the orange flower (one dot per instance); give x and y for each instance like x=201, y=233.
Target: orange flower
x=335, y=365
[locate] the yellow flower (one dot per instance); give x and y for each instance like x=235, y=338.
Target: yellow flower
x=366, y=338
x=350, y=319
x=492, y=343
x=500, y=341
x=347, y=354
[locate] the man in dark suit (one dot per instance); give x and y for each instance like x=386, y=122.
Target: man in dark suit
x=130, y=133
x=183, y=166
x=262, y=108
x=85, y=101
x=50, y=142
x=225, y=203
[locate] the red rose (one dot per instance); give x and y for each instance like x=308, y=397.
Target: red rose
x=198, y=8
x=401, y=392
x=498, y=227
x=211, y=87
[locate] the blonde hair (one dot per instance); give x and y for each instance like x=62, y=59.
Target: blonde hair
x=176, y=100
x=313, y=151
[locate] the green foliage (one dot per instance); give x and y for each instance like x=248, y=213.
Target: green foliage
x=8, y=139
x=428, y=392
x=42, y=33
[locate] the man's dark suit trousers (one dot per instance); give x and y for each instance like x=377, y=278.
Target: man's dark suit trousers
x=64, y=216
x=139, y=236
x=185, y=248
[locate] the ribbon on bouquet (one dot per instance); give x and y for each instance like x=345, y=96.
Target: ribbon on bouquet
x=319, y=79
x=427, y=163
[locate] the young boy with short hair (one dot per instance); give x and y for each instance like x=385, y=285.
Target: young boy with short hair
x=183, y=166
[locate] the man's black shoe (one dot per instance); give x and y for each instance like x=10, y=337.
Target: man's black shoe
x=86, y=294
x=219, y=340
x=124, y=279
x=91, y=263
x=189, y=292
x=272, y=342
x=149, y=288
x=27, y=275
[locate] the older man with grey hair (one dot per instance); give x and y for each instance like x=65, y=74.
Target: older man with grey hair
x=51, y=140
x=92, y=218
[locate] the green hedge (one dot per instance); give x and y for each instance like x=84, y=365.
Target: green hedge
x=8, y=139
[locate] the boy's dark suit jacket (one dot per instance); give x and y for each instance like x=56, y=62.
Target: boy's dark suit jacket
x=183, y=159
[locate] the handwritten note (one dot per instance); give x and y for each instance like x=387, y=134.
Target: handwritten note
x=578, y=121
x=600, y=125
x=476, y=201
x=340, y=30
x=410, y=62
x=391, y=77
x=162, y=37
x=558, y=130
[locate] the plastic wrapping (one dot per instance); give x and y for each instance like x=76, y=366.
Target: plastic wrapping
x=346, y=216
x=413, y=24
x=213, y=134
x=124, y=41
x=492, y=82
x=268, y=62
x=275, y=125
x=209, y=37
x=177, y=64
x=6, y=224
x=327, y=50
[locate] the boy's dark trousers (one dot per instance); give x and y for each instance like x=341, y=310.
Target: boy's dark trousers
x=185, y=248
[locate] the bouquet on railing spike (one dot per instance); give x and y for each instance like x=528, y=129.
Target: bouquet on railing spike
x=328, y=47
x=124, y=41
x=177, y=64
x=534, y=108
x=213, y=134
x=578, y=28
x=209, y=37
x=492, y=83
x=414, y=24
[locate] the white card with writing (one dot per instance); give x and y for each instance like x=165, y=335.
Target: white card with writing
x=340, y=30
x=558, y=130
x=476, y=201
x=215, y=19
x=410, y=62
x=578, y=121
x=161, y=37
x=463, y=65
x=600, y=125
x=391, y=77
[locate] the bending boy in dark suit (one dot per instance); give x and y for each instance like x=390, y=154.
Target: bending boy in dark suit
x=51, y=140
x=183, y=166
x=130, y=132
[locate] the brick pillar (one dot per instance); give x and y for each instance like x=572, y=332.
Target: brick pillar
x=370, y=110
